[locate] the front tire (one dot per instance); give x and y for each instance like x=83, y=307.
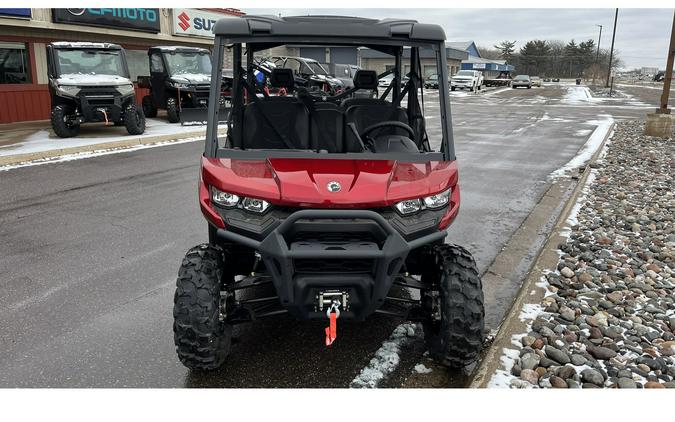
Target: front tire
x=453, y=330
x=201, y=335
x=149, y=108
x=134, y=120
x=61, y=122
x=172, y=112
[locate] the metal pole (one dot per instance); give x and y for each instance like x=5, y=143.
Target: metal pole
x=668, y=77
x=597, y=53
x=611, y=50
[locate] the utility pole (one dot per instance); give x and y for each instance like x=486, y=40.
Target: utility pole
x=611, y=50
x=596, y=66
x=597, y=53
x=668, y=77
x=660, y=124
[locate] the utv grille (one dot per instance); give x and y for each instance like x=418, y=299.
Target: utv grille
x=334, y=237
x=338, y=266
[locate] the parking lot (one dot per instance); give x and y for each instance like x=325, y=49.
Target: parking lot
x=91, y=247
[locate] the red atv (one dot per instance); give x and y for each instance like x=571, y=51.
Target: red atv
x=338, y=202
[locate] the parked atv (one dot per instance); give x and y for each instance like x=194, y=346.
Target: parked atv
x=89, y=82
x=337, y=205
x=179, y=82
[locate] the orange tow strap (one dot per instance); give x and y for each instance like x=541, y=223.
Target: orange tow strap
x=331, y=330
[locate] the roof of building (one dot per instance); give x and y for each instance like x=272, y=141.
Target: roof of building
x=327, y=27
x=468, y=46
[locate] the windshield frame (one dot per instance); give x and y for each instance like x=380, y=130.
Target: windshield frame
x=122, y=64
x=255, y=43
x=168, y=66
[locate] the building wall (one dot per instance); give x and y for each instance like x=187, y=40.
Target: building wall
x=30, y=101
x=380, y=65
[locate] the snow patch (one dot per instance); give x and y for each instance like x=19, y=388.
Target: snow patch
x=530, y=311
x=421, y=369
x=502, y=377
x=387, y=357
x=97, y=153
x=590, y=147
x=572, y=219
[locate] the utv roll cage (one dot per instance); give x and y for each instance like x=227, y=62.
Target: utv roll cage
x=250, y=34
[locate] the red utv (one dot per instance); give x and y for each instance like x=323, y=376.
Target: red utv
x=338, y=203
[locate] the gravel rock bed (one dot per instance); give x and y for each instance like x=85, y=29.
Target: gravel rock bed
x=608, y=316
x=602, y=92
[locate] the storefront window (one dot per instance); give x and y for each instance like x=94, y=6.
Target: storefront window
x=14, y=67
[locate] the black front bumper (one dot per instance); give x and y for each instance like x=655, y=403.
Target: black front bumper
x=97, y=103
x=312, y=251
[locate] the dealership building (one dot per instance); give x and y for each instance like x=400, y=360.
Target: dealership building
x=24, y=34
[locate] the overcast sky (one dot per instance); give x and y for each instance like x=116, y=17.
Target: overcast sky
x=642, y=35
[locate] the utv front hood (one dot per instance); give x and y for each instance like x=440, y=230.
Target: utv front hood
x=305, y=182
x=80, y=79
x=192, y=78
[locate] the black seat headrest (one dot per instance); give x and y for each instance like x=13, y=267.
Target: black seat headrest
x=365, y=79
x=282, y=78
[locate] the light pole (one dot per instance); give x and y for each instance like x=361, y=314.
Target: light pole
x=611, y=50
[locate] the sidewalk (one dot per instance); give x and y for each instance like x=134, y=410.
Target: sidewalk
x=21, y=142
x=602, y=313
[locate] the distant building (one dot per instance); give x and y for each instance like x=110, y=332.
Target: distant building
x=490, y=68
x=649, y=70
x=381, y=62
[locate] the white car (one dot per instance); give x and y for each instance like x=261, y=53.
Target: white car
x=469, y=79
x=386, y=81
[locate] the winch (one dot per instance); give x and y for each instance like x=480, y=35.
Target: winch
x=332, y=300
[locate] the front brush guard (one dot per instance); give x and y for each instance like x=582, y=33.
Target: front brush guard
x=296, y=291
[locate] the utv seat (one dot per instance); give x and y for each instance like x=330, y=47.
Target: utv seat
x=364, y=112
x=268, y=121
x=326, y=127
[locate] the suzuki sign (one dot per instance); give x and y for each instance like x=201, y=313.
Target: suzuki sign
x=194, y=22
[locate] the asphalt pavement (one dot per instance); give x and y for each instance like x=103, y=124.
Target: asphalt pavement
x=90, y=250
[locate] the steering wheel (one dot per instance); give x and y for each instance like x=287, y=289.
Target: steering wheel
x=388, y=123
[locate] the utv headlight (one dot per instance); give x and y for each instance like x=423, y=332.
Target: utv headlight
x=437, y=201
x=255, y=205
x=68, y=90
x=224, y=199
x=125, y=90
x=409, y=206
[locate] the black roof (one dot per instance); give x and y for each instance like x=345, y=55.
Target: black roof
x=84, y=44
x=179, y=48
x=251, y=27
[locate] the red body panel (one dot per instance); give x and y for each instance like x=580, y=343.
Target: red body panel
x=300, y=182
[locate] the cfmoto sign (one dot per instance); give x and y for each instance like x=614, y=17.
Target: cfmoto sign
x=194, y=22
x=122, y=18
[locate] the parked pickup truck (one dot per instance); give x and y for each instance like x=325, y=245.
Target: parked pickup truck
x=469, y=79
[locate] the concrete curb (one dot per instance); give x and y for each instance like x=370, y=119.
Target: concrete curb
x=120, y=144
x=530, y=293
